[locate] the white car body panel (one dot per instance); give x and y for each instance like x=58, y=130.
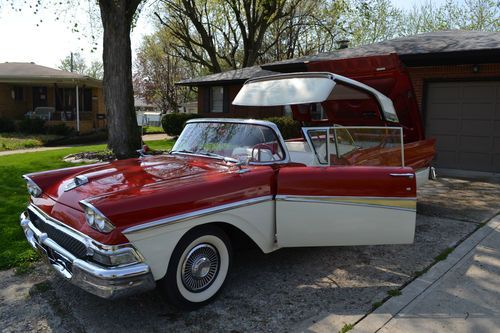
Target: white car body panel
x=341, y=223
x=304, y=88
x=156, y=244
x=285, y=90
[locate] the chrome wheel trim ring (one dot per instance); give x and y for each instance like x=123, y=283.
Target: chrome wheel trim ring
x=201, y=296
x=200, y=267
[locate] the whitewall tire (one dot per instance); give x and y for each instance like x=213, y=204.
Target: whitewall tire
x=198, y=268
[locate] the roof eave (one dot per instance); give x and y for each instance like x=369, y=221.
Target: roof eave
x=51, y=80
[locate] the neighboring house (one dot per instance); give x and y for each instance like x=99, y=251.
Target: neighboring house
x=28, y=89
x=142, y=105
x=452, y=77
x=148, y=114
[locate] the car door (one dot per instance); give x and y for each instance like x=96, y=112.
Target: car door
x=326, y=206
x=334, y=205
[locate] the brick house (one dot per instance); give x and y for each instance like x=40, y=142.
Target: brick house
x=453, y=77
x=57, y=96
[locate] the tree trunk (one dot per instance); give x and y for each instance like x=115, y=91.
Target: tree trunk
x=123, y=132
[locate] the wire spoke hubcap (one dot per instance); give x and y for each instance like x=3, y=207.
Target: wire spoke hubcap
x=200, y=267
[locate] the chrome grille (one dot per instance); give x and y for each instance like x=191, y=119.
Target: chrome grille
x=77, y=248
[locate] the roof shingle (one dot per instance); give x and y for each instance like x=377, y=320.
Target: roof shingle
x=435, y=43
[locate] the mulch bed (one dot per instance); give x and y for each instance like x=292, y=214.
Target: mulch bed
x=99, y=156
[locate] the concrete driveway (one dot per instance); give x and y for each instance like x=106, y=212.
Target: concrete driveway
x=289, y=290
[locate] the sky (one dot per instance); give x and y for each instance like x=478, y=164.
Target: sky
x=52, y=40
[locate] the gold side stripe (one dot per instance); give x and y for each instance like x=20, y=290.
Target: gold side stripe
x=395, y=203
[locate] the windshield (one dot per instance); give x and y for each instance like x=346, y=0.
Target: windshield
x=237, y=142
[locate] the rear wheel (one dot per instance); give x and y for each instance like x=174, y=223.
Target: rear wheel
x=198, y=268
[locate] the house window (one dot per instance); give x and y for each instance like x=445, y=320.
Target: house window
x=217, y=99
x=66, y=99
x=317, y=112
x=18, y=94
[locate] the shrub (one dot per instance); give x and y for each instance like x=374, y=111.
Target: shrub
x=7, y=125
x=96, y=137
x=59, y=129
x=288, y=127
x=32, y=126
x=173, y=123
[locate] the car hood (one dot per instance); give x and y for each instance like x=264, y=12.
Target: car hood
x=109, y=178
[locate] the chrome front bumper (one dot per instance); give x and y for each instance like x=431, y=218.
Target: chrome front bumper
x=105, y=282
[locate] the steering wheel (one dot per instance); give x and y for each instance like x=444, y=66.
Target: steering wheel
x=259, y=147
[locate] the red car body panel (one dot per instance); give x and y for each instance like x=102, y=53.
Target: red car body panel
x=357, y=181
x=135, y=191
x=387, y=75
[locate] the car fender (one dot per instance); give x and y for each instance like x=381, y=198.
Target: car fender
x=157, y=243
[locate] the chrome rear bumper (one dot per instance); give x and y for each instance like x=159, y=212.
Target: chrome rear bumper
x=105, y=282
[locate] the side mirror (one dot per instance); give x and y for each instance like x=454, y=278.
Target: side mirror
x=143, y=151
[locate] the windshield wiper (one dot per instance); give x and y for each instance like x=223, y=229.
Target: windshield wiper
x=206, y=153
x=222, y=157
x=183, y=151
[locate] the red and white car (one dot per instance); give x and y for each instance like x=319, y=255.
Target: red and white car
x=170, y=220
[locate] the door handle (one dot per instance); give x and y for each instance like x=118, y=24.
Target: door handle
x=408, y=175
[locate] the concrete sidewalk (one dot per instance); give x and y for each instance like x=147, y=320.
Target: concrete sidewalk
x=459, y=294
x=31, y=150
x=145, y=138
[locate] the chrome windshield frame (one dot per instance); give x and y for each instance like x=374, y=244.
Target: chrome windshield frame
x=270, y=125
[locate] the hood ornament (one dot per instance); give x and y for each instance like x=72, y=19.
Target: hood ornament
x=75, y=182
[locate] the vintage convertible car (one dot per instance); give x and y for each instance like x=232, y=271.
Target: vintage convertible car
x=171, y=220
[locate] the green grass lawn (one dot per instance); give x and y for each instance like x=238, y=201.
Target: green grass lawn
x=153, y=130
x=14, y=250
x=10, y=141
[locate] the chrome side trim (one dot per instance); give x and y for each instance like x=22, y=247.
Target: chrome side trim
x=196, y=214
x=407, y=204
x=407, y=175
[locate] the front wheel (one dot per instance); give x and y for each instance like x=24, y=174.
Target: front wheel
x=198, y=268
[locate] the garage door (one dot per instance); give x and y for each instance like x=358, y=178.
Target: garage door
x=464, y=117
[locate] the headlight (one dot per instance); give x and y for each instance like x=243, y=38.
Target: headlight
x=33, y=189
x=96, y=219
